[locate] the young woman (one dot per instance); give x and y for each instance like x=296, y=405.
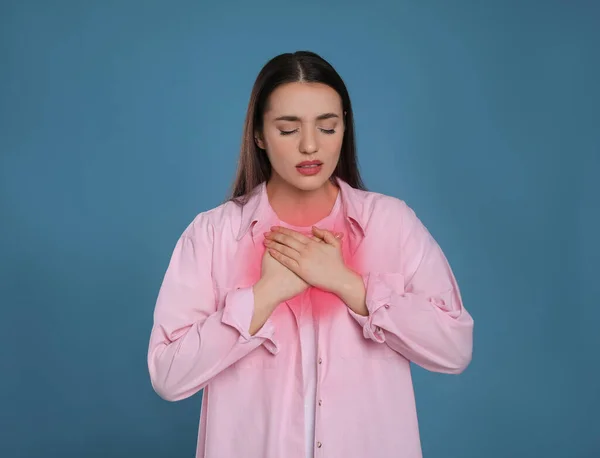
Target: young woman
x=298, y=304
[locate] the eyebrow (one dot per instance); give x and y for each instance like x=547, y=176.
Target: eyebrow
x=296, y=118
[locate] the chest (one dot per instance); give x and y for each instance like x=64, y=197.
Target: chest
x=336, y=333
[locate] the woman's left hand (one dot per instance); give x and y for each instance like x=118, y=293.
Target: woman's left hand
x=317, y=260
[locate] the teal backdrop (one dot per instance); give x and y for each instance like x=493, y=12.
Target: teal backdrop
x=121, y=120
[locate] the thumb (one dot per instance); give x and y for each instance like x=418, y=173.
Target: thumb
x=327, y=236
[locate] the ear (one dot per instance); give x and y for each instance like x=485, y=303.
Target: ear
x=259, y=140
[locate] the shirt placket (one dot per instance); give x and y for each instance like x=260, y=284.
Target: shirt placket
x=320, y=442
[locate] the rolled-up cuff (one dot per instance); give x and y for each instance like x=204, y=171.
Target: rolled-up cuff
x=237, y=313
x=380, y=288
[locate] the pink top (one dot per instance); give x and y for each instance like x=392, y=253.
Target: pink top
x=254, y=394
x=307, y=330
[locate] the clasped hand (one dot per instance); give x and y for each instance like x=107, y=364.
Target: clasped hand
x=317, y=260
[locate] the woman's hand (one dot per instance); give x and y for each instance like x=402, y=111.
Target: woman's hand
x=280, y=282
x=277, y=284
x=317, y=260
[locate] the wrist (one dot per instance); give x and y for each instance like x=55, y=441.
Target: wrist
x=265, y=294
x=345, y=282
x=351, y=290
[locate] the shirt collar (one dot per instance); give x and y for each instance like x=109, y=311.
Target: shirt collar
x=255, y=211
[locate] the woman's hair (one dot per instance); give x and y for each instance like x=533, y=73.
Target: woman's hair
x=302, y=66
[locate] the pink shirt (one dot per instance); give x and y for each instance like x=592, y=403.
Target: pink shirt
x=253, y=403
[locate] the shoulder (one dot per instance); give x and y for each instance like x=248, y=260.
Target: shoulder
x=219, y=221
x=383, y=214
x=392, y=220
x=381, y=208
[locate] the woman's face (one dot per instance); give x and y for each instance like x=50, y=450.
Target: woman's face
x=303, y=129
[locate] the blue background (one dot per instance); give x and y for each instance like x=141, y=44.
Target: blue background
x=120, y=121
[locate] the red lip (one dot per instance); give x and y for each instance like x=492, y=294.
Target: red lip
x=309, y=163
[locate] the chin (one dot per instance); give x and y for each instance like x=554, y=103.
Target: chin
x=309, y=183
x=302, y=183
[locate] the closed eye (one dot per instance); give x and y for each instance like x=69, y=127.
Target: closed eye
x=290, y=132
x=287, y=132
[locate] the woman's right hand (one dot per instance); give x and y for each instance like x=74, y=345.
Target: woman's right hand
x=281, y=283
x=277, y=284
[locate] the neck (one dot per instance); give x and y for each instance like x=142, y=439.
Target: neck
x=298, y=207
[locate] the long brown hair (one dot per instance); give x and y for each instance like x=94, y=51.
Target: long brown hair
x=302, y=66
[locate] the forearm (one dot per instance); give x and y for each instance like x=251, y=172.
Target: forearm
x=428, y=331
x=183, y=358
x=351, y=290
x=182, y=367
x=265, y=302
x=431, y=329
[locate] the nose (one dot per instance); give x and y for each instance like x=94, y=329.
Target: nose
x=308, y=142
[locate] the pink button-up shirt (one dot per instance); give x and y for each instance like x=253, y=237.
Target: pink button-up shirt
x=253, y=400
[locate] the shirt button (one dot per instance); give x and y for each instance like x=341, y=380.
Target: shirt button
x=387, y=306
x=319, y=445
x=320, y=402
x=320, y=360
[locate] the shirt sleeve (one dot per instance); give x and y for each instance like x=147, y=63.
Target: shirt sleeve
x=418, y=311
x=191, y=339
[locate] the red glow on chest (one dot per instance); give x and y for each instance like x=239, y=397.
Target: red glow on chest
x=324, y=303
